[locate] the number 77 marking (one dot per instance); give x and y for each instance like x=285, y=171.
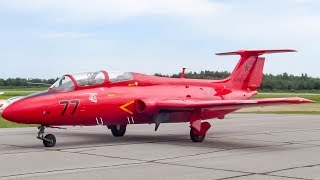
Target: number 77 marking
x=66, y=105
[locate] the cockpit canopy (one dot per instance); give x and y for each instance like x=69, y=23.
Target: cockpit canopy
x=118, y=76
x=89, y=78
x=86, y=79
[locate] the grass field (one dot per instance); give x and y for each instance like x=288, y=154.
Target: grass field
x=289, y=109
x=311, y=96
x=8, y=124
x=8, y=93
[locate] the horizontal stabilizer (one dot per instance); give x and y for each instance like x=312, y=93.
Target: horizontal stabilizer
x=255, y=52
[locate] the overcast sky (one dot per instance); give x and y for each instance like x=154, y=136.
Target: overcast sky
x=48, y=38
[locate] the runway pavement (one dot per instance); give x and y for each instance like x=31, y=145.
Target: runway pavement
x=243, y=146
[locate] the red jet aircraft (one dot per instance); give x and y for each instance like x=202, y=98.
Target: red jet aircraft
x=116, y=100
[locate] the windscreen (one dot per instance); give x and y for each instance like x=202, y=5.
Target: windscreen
x=65, y=83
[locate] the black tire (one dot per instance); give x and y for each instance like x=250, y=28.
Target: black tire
x=196, y=138
x=49, y=140
x=118, y=132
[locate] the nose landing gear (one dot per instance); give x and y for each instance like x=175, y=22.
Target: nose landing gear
x=49, y=140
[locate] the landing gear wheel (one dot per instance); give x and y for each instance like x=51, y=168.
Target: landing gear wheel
x=196, y=138
x=49, y=140
x=118, y=130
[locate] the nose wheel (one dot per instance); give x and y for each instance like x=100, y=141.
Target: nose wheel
x=49, y=140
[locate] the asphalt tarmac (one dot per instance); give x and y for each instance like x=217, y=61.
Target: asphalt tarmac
x=242, y=146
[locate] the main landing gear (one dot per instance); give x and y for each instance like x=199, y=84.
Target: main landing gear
x=118, y=130
x=49, y=140
x=195, y=137
x=198, y=131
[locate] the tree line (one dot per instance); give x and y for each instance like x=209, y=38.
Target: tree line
x=280, y=82
x=24, y=82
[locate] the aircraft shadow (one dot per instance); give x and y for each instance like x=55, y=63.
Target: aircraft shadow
x=89, y=139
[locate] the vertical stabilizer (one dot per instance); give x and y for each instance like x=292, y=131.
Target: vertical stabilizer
x=248, y=72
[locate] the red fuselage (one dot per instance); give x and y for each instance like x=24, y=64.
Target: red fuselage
x=120, y=102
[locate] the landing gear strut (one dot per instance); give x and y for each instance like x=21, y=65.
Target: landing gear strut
x=118, y=130
x=49, y=140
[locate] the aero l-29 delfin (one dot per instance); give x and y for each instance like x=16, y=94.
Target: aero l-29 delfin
x=117, y=100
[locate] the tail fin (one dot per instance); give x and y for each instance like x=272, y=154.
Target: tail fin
x=249, y=70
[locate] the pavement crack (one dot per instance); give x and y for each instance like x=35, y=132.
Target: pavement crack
x=208, y=168
x=290, y=177
x=268, y=133
x=297, y=167
x=244, y=175
x=69, y=169
x=99, y=155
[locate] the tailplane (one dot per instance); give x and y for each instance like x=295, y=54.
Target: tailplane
x=249, y=71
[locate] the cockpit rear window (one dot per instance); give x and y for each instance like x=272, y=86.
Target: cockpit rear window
x=65, y=83
x=118, y=77
x=89, y=78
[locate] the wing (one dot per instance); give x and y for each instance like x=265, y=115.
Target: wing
x=226, y=104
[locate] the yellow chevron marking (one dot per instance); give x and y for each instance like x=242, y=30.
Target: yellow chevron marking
x=133, y=84
x=123, y=107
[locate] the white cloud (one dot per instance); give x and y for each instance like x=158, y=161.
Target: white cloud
x=262, y=22
x=93, y=10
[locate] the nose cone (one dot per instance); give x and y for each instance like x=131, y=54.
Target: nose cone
x=13, y=113
x=32, y=109
x=25, y=111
